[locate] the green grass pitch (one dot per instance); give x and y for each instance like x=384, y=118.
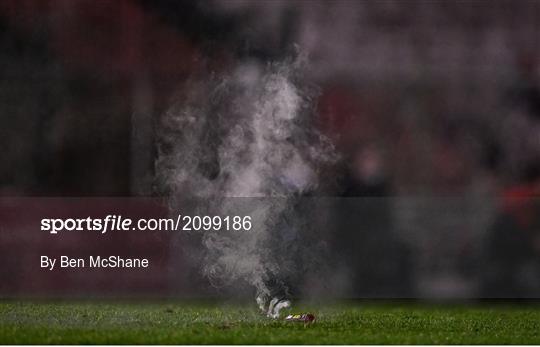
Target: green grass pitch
x=212, y=323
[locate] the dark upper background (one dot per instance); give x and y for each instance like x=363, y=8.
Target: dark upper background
x=437, y=97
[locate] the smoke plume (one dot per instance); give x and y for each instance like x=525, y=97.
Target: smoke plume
x=246, y=144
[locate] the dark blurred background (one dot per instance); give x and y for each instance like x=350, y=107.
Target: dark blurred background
x=434, y=105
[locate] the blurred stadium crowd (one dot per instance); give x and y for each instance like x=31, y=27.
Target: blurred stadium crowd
x=435, y=106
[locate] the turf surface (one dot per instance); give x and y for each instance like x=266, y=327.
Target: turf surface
x=211, y=323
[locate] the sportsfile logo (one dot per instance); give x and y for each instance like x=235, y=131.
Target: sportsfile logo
x=109, y=223
x=119, y=223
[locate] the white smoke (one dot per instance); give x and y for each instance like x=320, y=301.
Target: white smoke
x=247, y=145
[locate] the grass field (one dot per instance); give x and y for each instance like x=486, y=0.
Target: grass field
x=211, y=323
